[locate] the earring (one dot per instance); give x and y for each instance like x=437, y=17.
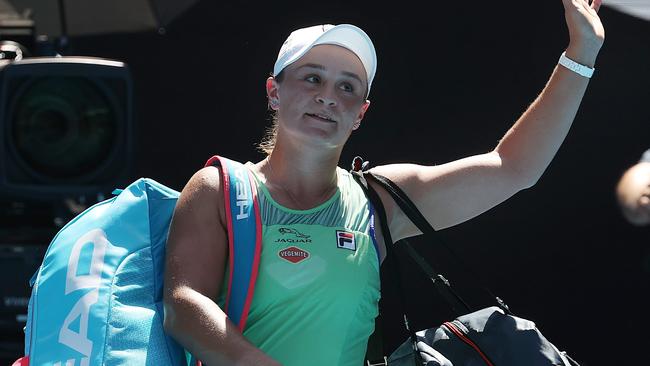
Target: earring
x=273, y=103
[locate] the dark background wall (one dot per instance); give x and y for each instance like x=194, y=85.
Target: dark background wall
x=452, y=77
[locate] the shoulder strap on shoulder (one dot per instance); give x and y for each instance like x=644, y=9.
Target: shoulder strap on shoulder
x=453, y=299
x=244, y=236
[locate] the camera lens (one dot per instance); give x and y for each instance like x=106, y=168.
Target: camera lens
x=63, y=127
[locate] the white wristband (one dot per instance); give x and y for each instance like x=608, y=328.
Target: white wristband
x=575, y=67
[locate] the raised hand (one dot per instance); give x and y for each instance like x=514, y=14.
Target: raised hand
x=586, y=31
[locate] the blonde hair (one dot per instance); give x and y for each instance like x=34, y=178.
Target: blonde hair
x=270, y=137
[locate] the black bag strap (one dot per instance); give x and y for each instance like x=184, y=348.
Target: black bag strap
x=376, y=354
x=453, y=300
x=412, y=212
x=395, y=278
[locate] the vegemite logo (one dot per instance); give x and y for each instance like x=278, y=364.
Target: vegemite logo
x=345, y=240
x=292, y=236
x=293, y=254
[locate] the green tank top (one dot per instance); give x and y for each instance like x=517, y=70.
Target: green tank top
x=317, y=291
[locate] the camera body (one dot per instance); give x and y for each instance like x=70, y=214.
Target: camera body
x=65, y=127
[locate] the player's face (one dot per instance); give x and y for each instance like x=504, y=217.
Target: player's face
x=322, y=95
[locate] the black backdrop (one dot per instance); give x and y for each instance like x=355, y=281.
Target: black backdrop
x=451, y=79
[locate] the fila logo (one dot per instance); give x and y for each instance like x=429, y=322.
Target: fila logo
x=345, y=240
x=293, y=254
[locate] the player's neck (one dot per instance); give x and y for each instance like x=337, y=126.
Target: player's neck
x=305, y=178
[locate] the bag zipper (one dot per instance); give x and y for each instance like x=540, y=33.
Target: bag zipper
x=456, y=330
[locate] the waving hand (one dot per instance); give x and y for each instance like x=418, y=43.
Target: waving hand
x=586, y=31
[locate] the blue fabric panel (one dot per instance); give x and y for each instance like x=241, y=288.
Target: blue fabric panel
x=135, y=332
x=94, y=295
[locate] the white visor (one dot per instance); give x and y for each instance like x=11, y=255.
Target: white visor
x=345, y=35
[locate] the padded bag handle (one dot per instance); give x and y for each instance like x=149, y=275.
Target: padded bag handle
x=244, y=236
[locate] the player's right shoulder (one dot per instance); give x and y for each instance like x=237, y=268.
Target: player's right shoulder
x=206, y=179
x=203, y=195
x=204, y=192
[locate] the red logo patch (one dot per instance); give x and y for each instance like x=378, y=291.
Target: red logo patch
x=293, y=254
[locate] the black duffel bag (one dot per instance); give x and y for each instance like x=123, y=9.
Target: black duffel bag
x=491, y=336
x=485, y=337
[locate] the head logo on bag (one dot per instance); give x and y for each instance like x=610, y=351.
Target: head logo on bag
x=85, y=282
x=97, y=297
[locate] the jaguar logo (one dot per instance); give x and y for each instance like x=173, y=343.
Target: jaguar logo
x=286, y=230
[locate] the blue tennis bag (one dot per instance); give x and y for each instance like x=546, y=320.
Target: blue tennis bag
x=97, y=296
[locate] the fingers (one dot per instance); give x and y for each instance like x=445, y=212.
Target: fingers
x=585, y=5
x=595, y=4
x=580, y=4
